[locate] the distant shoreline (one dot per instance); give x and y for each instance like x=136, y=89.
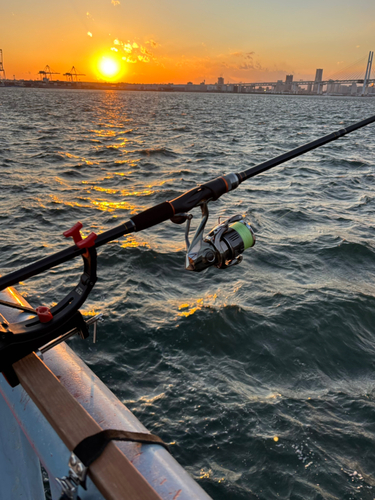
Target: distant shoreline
x=151, y=87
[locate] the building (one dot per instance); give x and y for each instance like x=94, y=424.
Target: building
x=279, y=86
x=318, y=79
x=220, y=80
x=353, y=89
x=288, y=83
x=330, y=87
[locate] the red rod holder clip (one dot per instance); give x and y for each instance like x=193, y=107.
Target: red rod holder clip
x=44, y=314
x=76, y=235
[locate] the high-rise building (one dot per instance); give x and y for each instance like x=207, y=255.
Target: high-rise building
x=319, y=75
x=220, y=80
x=318, y=79
x=288, y=82
x=279, y=86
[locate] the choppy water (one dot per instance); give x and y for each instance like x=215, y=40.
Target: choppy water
x=222, y=362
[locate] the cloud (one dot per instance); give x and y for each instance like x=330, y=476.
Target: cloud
x=245, y=55
x=246, y=66
x=134, y=52
x=129, y=60
x=153, y=43
x=115, y=2
x=145, y=51
x=89, y=33
x=242, y=61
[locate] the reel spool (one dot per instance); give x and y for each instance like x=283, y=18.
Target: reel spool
x=222, y=247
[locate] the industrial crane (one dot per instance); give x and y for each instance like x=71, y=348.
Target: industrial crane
x=47, y=71
x=73, y=75
x=2, y=70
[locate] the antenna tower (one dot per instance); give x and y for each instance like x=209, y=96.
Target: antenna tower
x=2, y=70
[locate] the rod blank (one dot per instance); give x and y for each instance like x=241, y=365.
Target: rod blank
x=290, y=155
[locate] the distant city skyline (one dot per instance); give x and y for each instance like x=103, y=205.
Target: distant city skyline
x=168, y=41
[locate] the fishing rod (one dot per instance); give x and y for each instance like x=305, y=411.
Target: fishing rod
x=222, y=247
x=204, y=193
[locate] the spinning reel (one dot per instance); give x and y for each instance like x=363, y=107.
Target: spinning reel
x=222, y=247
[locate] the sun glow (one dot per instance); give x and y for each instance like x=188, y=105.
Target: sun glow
x=109, y=68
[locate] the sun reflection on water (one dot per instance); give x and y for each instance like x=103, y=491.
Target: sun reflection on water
x=111, y=206
x=134, y=242
x=196, y=305
x=76, y=157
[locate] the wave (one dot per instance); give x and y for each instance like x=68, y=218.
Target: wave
x=183, y=128
x=262, y=374
x=156, y=151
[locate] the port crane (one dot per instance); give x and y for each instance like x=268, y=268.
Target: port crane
x=47, y=71
x=2, y=70
x=73, y=75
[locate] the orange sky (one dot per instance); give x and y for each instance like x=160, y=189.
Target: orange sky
x=179, y=41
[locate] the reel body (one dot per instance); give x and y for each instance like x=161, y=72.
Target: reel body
x=222, y=247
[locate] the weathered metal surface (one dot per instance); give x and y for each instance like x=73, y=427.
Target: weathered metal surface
x=41, y=439
x=20, y=468
x=160, y=469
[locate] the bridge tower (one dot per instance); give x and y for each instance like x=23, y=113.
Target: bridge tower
x=2, y=70
x=367, y=74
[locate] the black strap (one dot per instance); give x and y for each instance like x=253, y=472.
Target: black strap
x=90, y=448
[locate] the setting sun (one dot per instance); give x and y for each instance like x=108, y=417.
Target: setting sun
x=109, y=68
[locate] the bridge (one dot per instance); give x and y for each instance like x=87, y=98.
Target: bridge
x=351, y=75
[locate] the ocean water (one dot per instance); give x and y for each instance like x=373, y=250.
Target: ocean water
x=261, y=375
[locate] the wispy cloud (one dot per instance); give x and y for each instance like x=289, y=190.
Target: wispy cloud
x=241, y=60
x=153, y=43
x=129, y=59
x=146, y=52
x=134, y=52
x=115, y=2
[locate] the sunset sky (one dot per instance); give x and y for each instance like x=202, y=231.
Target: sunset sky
x=185, y=40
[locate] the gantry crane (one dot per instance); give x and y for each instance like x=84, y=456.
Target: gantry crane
x=73, y=75
x=2, y=70
x=47, y=71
